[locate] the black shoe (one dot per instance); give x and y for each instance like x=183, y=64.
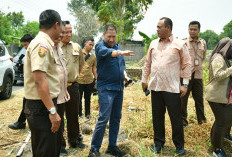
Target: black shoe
x=63, y=152
x=157, y=148
x=81, y=145
x=17, y=125
x=180, y=151
x=80, y=137
x=94, y=153
x=219, y=153
x=115, y=151
x=78, y=144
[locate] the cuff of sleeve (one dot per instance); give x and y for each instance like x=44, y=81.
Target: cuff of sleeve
x=144, y=80
x=185, y=81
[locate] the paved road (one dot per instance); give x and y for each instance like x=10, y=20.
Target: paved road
x=18, y=86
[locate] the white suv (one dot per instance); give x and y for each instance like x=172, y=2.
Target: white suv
x=6, y=72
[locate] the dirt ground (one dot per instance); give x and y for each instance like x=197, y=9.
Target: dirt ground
x=136, y=133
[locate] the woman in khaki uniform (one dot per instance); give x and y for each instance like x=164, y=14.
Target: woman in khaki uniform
x=218, y=94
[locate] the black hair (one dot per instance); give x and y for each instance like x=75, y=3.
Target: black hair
x=66, y=22
x=48, y=18
x=63, y=22
x=110, y=26
x=26, y=38
x=195, y=23
x=167, y=21
x=85, y=40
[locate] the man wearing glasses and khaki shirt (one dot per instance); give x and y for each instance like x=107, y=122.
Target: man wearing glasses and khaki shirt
x=74, y=62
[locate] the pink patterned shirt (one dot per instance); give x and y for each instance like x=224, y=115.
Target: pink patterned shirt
x=167, y=61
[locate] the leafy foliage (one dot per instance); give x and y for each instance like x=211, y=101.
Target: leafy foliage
x=210, y=37
x=5, y=26
x=87, y=23
x=13, y=27
x=125, y=14
x=147, y=40
x=213, y=38
x=227, y=30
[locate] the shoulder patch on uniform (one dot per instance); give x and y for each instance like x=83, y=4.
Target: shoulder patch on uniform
x=218, y=65
x=42, y=50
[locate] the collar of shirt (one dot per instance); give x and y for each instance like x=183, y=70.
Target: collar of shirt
x=191, y=39
x=169, y=39
x=47, y=37
x=115, y=45
x=62, y=44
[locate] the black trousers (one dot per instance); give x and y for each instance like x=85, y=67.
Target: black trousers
x=196, y=86
x=85, y=89
x=60, y=137
x=44, y=142
x=222, y=124
x=71, y=113
x=22, y=116
x=171, y=101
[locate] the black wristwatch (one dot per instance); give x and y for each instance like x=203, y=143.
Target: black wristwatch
x=185, y=85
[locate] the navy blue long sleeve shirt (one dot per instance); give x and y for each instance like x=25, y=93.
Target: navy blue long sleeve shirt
x=110, y=70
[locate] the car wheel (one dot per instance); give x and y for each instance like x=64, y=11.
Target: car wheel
x=7, y=90
x=15, y=82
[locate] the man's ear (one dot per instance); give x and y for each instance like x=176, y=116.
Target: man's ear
x=168, y=27
x=56, y=25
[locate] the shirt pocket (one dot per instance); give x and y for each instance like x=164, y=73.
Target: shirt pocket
x=76, y=56
x=200, y=51
x=173, y=53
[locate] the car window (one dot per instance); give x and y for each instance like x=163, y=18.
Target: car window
x=2, y=50
x=22, y=51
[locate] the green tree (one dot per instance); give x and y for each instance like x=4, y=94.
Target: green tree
x=87, y=22
x=125, y=14
x=16, y=20
x=210, y=37
x=227, y=30
x=5, y=28
x=147, y=40
x=30, y=28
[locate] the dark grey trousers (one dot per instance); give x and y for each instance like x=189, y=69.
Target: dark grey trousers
x=222, y=123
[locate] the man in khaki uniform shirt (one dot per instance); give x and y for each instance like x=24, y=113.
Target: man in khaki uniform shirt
x=42, y=86
x=85, y=80
x=197, y=50
x=74, y=58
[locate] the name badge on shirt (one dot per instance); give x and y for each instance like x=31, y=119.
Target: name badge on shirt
x=196, y=62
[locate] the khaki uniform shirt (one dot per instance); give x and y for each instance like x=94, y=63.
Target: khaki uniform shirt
x=86, y=75
x=61, y=67
x=74, y=57
x=40, y=56
x=197, y=50
x=219, y=75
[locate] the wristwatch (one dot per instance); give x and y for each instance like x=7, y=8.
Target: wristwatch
x=52, y=110
x=185, y=85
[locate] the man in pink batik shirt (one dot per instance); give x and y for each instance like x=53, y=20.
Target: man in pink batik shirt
x=167, y=61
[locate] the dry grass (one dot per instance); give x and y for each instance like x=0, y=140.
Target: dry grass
x=136, y=126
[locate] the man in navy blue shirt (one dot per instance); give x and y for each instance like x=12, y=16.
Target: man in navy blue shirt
x=110, y=85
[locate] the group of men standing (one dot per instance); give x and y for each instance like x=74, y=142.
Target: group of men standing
x=53, y=79
x=55, y=71
x=51, y=73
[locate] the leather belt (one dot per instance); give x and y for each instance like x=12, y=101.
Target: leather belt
x=71, y=83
